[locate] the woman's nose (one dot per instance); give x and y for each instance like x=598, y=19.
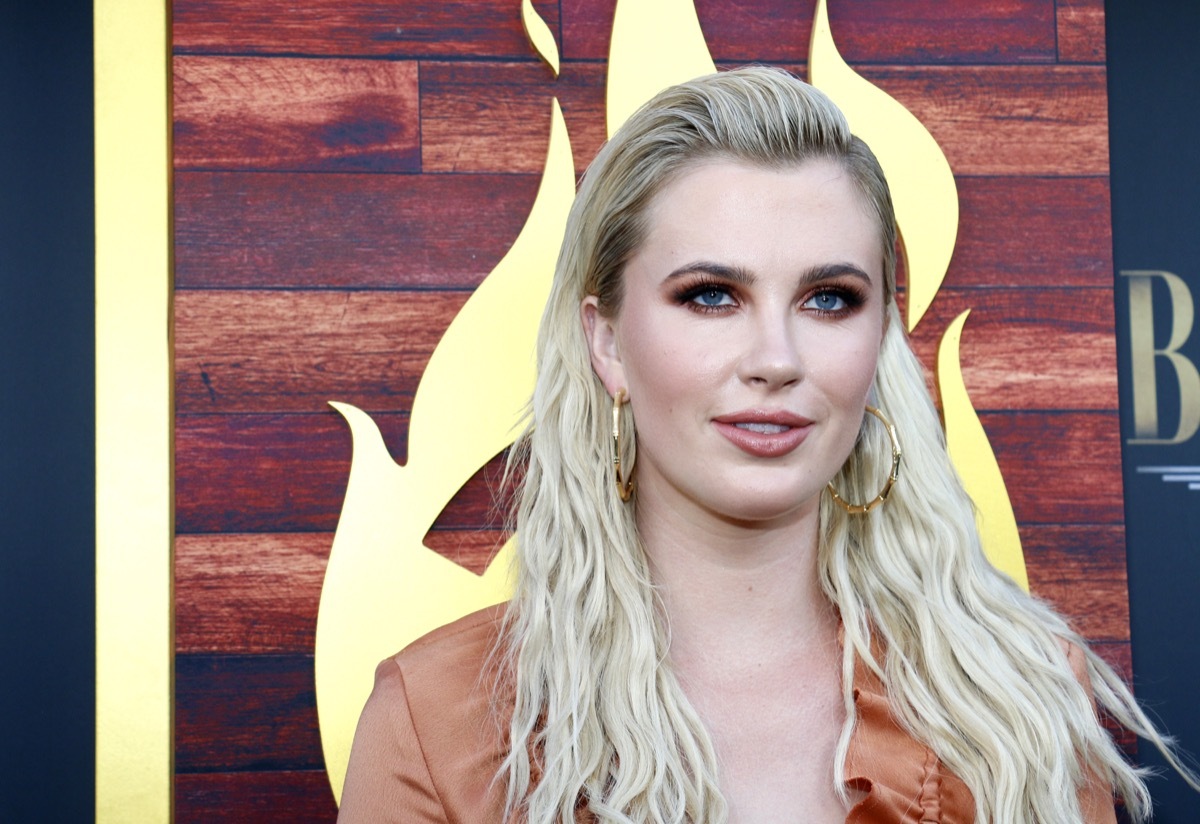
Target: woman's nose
x=772, y=356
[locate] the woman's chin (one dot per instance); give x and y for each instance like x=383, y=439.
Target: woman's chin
x=766, y=510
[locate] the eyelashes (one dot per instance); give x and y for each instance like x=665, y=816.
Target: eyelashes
x=712, y=296
x=707, y=296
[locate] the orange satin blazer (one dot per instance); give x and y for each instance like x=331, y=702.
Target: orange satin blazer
x=430, y=743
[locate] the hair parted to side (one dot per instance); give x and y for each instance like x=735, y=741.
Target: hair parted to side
x=975, y=668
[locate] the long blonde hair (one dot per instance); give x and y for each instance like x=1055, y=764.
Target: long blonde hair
x=974, y=667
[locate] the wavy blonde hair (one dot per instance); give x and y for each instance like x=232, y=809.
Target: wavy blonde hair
x=974, y=667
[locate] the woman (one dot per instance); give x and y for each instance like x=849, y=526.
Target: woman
x=759, y=622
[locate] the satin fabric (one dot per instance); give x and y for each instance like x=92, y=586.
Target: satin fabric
x=430, y=742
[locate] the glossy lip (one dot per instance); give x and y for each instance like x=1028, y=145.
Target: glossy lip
x=762, y=445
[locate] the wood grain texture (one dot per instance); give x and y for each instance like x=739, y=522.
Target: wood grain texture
x=348, y=170
x=264, y=473
x=495, y=117
x=989, y=120
x=384, y=28
x=776, y=31
x=1032, y=233
x=1080, y=569
x=1054, y=352
x=1058, y=467
x=287, y=473
x=287, y=114
x=240, y=351
x=302, y=231
x=257, y=593
x=1080, y=31
x=248, y=351
x=248, y=592
x=260, y=796
x=1008, y=120
x=366, y=231
x=246, y=712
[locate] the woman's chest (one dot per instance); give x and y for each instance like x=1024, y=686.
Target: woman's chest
x=775, y=735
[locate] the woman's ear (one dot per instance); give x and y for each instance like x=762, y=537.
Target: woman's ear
x=601, y=335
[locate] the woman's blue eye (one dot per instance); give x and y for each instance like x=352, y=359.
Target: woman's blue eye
x=827, y=302
x=712, y=297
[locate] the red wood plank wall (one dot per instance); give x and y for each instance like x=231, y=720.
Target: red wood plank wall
x=346, y=171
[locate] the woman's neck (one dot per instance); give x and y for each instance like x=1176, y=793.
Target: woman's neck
x=735, y=591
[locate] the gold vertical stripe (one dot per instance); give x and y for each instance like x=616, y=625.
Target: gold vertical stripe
x=133, y=413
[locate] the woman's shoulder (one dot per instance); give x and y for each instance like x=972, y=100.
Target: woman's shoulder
x=447, y=678
x=460, y=646
x=431, y=737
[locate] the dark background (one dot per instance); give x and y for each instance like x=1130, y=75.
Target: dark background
x=47, y=422
x=1153, y=75
x=47, y=388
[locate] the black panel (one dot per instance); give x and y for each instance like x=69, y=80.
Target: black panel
x=1154, y=78
x=47, y=468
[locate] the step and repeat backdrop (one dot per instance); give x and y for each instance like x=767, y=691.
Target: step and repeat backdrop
x=347, y=174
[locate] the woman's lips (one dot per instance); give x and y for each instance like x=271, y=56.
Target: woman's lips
x=764, y=434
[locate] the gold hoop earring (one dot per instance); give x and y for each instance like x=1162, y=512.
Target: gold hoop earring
x=624, y=488
x=893, y=476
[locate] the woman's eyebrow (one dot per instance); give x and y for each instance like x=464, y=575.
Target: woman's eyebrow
x=734, y=274
x=744, y=277
x=827, y=271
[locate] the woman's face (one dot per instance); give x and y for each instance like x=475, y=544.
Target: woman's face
x=747, y=338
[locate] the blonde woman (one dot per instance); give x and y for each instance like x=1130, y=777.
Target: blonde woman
x=731, y=604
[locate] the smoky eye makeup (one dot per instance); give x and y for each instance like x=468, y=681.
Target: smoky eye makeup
x=705, y=294
x=835, y=298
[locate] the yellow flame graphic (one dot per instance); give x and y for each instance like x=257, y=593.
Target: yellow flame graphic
x=539, y=35
x=383, y=588
x=976, y=463
x=655, y=44
x=922, y=184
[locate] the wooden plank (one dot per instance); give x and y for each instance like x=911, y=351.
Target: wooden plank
x=448, y=231
x=989, y=120
x=1009, y=120
x=292, y=796
x=288, y=114
x=496, y=116
x=257, y=593
x=265, y=473
x=382, y=28
x=367, y=231
x=287, y=473
x=290, y=351
x=1059, y=467
x=872, y=31
x=1080, y=570
x=1080, y=31
x=238, y=712
x=1028, y=349
x=1033, y=231
x=250, y=593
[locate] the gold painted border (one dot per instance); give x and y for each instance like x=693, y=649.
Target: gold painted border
x=134, y=489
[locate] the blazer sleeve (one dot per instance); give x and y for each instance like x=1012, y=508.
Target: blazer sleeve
x=388, y=778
